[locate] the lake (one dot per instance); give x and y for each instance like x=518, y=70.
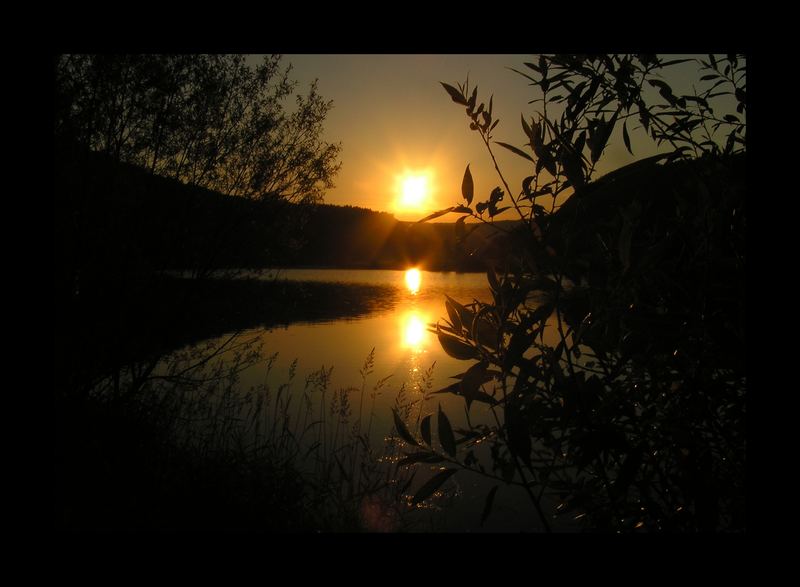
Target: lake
x=410, y=360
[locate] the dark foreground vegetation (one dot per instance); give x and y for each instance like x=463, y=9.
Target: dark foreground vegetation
x=613, y=351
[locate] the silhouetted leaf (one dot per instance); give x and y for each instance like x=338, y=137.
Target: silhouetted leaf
x=457, y=97
x=675, y=62
x=446, y=434
x=420, y=457
x=661, y=85
x=462, y=210
x=425, y=429
x=533, y=67
x=487, y=507
x=467, y=187
x=709, y=76
x=526, y=187
x=453, y=313
x=731, y=118
x=430, y=486
x=455, y=348
x=497, y=211
x=625, y=137
x=514, y=149
x=472, y=99
x=471, y=381
x=526, y=128
x=436, y=214
x=401, y=428
x=492, y=278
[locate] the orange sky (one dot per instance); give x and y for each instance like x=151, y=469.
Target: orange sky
x=393, y=118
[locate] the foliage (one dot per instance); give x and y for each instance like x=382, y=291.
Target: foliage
x=208, y=120
x=612, y=354
x=177, y=442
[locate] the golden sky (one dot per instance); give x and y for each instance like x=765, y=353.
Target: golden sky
x=395, y=122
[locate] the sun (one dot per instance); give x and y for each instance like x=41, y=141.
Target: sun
x=414, y=191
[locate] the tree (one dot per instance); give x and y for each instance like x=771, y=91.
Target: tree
x=613, y=353
x=211, y=121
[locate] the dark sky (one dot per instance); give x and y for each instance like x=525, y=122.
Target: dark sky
x=395, y=120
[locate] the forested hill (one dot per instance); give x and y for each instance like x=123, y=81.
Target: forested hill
x=111, y=214
x=347, y=236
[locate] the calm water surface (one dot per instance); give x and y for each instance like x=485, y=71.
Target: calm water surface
x=404, y=351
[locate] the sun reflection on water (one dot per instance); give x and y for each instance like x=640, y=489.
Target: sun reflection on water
x=414, y=331
x=413, y=280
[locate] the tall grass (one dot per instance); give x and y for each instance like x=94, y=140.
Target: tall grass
x=207, y=453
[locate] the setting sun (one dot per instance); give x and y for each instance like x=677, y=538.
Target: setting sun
x=415, y=189
x=414, y=192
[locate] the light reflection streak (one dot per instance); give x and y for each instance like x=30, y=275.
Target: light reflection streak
x=413, y=280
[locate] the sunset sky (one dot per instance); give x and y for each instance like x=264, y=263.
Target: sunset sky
x=394, y=119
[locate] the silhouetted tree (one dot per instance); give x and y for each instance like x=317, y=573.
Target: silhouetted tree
x=208, y=120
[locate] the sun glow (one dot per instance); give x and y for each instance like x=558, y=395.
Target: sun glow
x=415, y=189
x=414, y=192
x=413, y=280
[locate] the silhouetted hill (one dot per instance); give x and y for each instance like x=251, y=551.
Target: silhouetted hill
x=114, y=218
x=347, y=236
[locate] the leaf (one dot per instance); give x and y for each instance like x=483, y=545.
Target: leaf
x=533, y=67
x=526, y=128
x=498, y=211
x=457, y=96
x=462, y=210
x=625, y=137
x=432, y=485
x=471, y=382
x=709, y=76
x=526, y=187
x=436, y=214
x=492, y=279
x=487, y=507
x=467, y=187
x=455, y=348
x=675, y=62
x=420, y=457
x=662, y=86
x=514, y=149
x=446, y=434
x=401, y=428
x=473, y=98
x=453, y=313
x=425, y=429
